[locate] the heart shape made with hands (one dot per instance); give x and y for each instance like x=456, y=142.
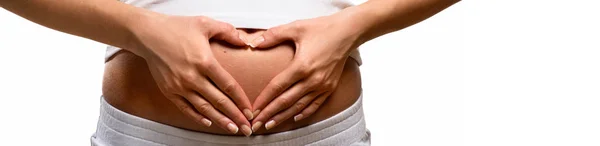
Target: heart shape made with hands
x=253, y=68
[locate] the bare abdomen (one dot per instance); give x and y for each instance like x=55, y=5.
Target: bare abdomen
x=129, y=86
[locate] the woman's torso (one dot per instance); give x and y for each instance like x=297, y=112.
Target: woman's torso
x=129, y=86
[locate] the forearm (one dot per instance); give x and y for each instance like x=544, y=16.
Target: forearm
x=379, y=17
x=106, y=21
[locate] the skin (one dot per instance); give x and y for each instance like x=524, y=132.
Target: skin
x=185, y=70
x=176, y=49
x=316, y=68
x=129, y=86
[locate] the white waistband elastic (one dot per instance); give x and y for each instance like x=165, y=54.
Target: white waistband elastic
x=119, y=128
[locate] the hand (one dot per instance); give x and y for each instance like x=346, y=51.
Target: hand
x=178, y=54
x=322, y=46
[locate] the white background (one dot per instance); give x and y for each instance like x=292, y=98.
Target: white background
x=490, y=73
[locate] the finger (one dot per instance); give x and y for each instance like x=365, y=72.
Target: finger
x=187, y=110
x=231, y=88
x=225, y=31
x=276, y=86
x=205, y=108
x=312, y=108
x=221, y=102
x=274, y=36
x=282, y=102
x=291, y=111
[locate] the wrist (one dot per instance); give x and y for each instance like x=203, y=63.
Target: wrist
x=141, y=24
x=361, y=20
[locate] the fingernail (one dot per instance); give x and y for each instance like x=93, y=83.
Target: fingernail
x=256, y=112
x=243, y=38
x=257, y=41
x=206, y=122
x=248, y=114
x=270, y=124
x=256, y=126
x=298, y=117
x=232, y=128
x=246, y=130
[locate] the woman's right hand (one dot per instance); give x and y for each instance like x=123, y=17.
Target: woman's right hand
x=178, y=54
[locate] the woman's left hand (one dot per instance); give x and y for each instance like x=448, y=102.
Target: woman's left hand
x=322, y=46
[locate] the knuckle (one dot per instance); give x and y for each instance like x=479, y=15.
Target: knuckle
x=207, y=65
x=317, y=103
x=277, y=88
x=204, y=108
x=274, y=32
x=189, y=75
x=230, y=88
x=298, y=27
x=211, y=66
x=284, y=102
x=172, y=87
x=319, y=78
x=223, y=28
x=315, y=83
x=330, y=85
x=302, y=71
x=226, y=27
x=299, y=106
x=303, y=68
x=202, y=20
x=221, y=102
x=184, y=108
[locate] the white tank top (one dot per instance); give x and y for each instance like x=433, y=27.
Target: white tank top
x=258, y=14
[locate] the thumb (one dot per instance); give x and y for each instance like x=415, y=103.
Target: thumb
x=228, y=33
x=274, y=36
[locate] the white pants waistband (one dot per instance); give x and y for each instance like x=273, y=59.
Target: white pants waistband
x=117, y=128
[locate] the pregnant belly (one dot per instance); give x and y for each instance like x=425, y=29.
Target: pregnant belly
x=129, y=86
